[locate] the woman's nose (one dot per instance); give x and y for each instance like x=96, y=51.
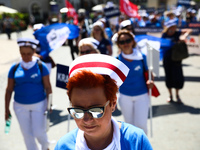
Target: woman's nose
x=87, y=116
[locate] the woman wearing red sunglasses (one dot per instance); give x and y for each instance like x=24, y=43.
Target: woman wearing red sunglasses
x=133, y=94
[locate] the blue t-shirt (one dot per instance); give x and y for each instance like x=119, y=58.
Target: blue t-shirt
x=134, y=83
x=131, y=138
x=28, y=87
x=102, y=46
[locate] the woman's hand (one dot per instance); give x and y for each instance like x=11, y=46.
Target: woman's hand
x=7, y=113
x=8, y=94
x=150, y=84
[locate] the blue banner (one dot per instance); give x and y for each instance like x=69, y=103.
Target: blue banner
x=185, y=3
x=144, y=30
x=62, y=76
x=53, y=36
x=111, y=12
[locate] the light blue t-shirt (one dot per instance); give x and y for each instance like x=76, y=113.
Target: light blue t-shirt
x=28, y=87
x=135, y=83
x=131, y=138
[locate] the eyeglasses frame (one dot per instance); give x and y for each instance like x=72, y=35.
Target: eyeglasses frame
x=87, y=110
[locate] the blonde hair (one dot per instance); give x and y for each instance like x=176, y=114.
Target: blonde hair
x=87, y=44
x=103, y=34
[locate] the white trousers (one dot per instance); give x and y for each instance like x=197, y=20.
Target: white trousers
x=32, y=123
x=135, y=109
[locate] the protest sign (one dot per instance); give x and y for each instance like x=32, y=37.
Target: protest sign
x=62, y=76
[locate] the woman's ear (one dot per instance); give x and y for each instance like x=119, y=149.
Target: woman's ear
x=113, y=104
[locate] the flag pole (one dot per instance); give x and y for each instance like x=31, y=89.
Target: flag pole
x=68, y=122
x=150, y=52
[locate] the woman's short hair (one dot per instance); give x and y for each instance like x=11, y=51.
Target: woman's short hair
x=131, y=35
x=86, y=79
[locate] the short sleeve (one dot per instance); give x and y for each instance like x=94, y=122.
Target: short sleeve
x=45, y=70
x=11, y=71
x=145, y=61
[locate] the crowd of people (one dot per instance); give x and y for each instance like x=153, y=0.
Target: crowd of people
x=93, y=92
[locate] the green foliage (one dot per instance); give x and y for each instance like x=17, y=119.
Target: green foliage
x=19, y=20
x=197, y=1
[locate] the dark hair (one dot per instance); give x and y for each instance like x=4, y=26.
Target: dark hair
x=86, y=79
x=27, y=46
x=124, y=31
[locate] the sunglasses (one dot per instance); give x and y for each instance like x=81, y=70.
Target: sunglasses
x=127, y=41
x=86, y=52
x=95, y=112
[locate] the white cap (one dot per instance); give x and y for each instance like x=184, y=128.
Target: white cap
x=28, y=42
x=37, y=26
x=98, y=23
x=177, y=13
x=90, y=41
x=144, y=15
x=193, y=11
x=100, y=64
x=151, y=17
x=124, y=23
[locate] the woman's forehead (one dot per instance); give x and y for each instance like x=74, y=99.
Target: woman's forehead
x=83, y=47
x=26, y=48
x=88, y=97
x=124, y=36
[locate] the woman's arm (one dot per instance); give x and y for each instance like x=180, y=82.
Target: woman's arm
x=47, y=86
x=109, y=48
x=8, y=94
x=150, y=83
x=185, y=33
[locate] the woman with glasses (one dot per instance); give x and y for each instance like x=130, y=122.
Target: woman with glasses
x=92, y=87
x=133, y=94
x=98, y=33
x=88, y=46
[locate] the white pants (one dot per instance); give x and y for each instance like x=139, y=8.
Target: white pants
x=32, y=123
x=135, y=109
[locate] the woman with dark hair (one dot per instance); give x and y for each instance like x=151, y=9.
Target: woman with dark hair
x=29, y=79
x=92, y=87
x=173, y=69
x=133, y=93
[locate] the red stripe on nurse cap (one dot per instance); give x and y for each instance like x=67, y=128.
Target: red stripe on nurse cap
x=100, y=64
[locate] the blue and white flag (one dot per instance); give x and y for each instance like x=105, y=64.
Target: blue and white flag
x=53, y=36
x=162, y=46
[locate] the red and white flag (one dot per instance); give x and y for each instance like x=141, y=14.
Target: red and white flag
x=71, y=11
x=129, y=8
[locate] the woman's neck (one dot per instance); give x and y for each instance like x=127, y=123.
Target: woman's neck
x=98, y=37
x=99, y=143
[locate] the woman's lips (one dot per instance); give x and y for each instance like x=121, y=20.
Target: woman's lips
x=89, y=127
